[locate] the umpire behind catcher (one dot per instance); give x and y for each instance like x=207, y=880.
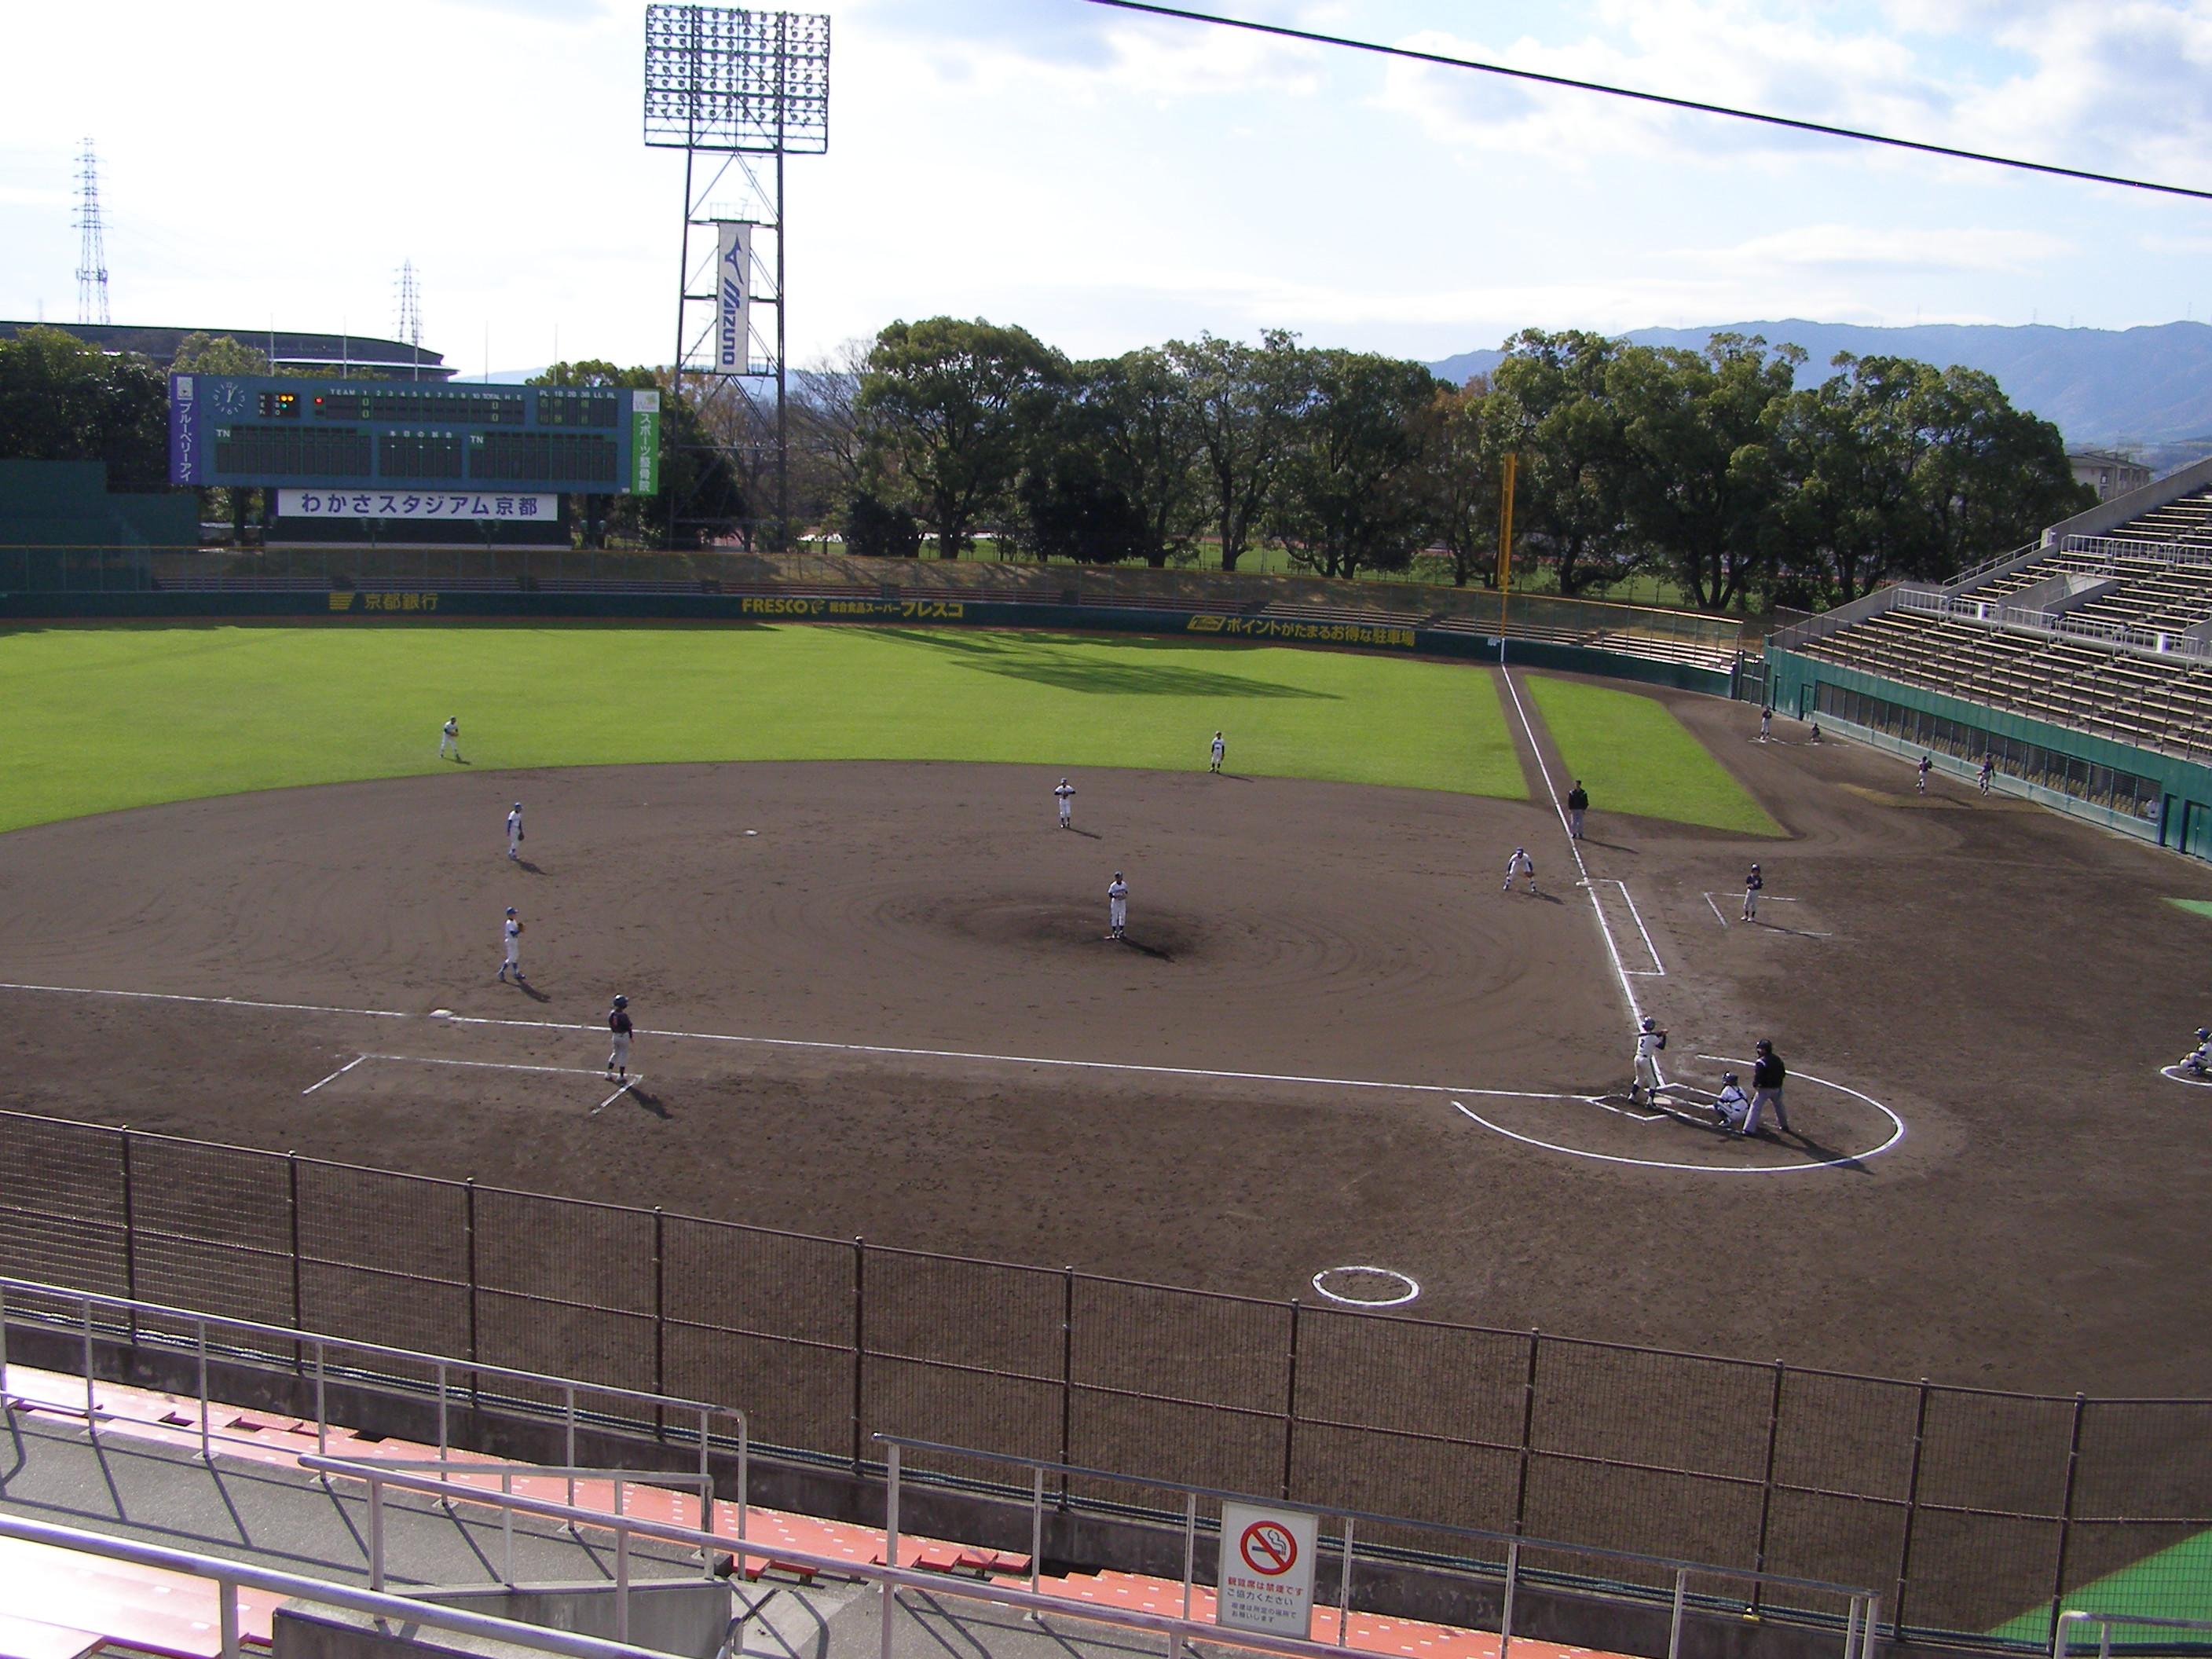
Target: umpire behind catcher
x=1768, y=1072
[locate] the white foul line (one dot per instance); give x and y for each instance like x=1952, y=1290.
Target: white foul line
x=214, y=1002
x=494, y=1065
x=800, y=1043
x=1604, y=928
x=336, y=1075
x=1716, y=909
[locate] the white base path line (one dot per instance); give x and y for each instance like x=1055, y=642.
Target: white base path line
x=495, y=1064
x=1716, y=909
x=336, y=1075
x=801, y=1042
x=212, y=1002
x=617, y=1095
x=1658, y=968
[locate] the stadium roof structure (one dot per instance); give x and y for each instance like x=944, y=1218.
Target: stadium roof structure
x=290, y=352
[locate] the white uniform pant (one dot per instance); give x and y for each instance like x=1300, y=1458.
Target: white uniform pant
x=1647, y=1072
x=515, y=844
x=1117, y=914
x=619, y=1059
x=446, y=740
x=1066, y=812
x=513, y=958
x=1750, y=905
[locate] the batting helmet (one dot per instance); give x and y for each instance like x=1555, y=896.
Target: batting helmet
x=621, y=1001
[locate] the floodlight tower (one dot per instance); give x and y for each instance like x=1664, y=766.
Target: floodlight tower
x=92, y=249
x=410, y=313
x=743, y=90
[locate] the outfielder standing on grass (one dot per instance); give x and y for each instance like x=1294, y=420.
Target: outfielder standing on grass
x=618, y=1023
x=513, y=961
x=1219, y=751
x=449, y=737
x=514, y=832
x=1649, y=1040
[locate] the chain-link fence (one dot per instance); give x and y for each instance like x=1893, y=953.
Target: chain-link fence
x=1974, y=1510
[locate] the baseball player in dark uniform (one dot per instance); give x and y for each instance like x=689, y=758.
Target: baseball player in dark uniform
x=1768, y=1072
x=618, y=1023
x=1925, y=767
x=1577, y=804
x=1753, y=885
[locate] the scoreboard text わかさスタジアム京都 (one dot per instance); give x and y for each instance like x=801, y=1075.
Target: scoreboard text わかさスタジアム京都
x=358, y=434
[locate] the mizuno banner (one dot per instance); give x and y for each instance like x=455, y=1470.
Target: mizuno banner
x=733, y=279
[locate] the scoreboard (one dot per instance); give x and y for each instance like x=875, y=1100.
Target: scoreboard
x=424, y=439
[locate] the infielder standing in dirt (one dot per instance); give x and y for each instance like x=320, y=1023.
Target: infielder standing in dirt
x=618, y=1023
x=1520, y=864
x=1219, y=751
x=1066, y=792
x=513, y=961
x=1117, y=907
x=514, y=831
x=449, y=737
x=1649, y=1040
x=1751, y=885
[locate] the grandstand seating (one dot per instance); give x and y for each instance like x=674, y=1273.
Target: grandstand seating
x=2129, y=689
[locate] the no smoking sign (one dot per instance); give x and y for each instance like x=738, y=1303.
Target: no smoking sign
x=1266, y=1581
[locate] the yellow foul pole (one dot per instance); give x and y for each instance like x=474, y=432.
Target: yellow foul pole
x=1506, y=547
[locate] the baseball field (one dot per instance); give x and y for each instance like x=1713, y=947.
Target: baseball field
x=873, y=997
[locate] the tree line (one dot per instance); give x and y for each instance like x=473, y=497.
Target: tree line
x=1716, y=468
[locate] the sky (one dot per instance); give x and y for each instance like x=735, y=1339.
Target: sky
x=1110, y=181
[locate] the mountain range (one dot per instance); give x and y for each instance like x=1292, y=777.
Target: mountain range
x=2150, y=389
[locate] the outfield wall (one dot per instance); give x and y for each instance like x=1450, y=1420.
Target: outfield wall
x=2156, y=797
x=386, y=608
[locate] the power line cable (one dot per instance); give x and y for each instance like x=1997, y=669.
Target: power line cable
x=1693, y=105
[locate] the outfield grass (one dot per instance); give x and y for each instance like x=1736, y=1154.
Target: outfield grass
x=99, y=719
x=1634, y=756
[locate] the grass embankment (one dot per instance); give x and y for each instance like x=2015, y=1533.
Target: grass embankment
x=100, y=718
x=1634, y=756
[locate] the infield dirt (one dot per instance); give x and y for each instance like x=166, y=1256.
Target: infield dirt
x=2006, y=982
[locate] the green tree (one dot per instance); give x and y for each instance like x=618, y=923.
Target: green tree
x=953, y=407
x=1242, y=402
x=1350, y=496
x=1995, y=476
x=1466, y=434
x=63, y=400
x=1699, y=479
x=1569, y=496
x=1148, y=446
x=218, y=353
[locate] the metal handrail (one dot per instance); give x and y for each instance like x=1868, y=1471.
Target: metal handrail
x=444, y=1370
x=1859, y=1637
x=230, y=1576
x=2061, y=1630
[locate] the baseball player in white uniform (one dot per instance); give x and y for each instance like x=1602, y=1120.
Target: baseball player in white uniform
x=513, y=961
x=1219, y=751
x=1649, y=1040
x=1753, y=885
x=1731, y=1106
x=1066, y=791
x=449, y=737
x=514, y=831
x=2199, y=1058
x=1519, y=865
x=1117, y=907
x=618, y=1023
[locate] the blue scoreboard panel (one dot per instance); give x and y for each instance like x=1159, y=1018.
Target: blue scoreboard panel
x=386, y=436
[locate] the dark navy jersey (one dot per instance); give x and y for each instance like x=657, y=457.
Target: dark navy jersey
x=618, y=1022
x=1753, y=882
